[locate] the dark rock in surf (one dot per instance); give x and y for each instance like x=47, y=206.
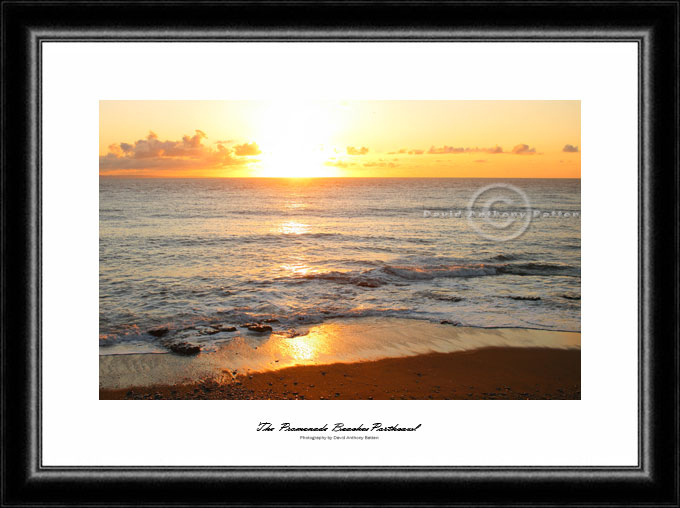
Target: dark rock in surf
x=260, y=328
x=447, y=322
x=222, y=328
x=525, y=298
x=184, y=348
x=158, y=332
x=504, y=257
x=445, y=298
x=291, y=333
x=368, y=284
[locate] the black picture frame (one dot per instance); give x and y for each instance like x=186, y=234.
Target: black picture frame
x=653, y=25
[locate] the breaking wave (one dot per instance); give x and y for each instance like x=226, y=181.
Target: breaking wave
x=388, y=274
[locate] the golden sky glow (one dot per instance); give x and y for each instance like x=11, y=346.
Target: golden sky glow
x=490, y=139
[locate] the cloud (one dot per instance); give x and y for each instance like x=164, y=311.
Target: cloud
x=152, y=153
x=380, y=164
x=339, y=163
x=247, y=149
x=446, y=149
x=403, y=151
x=357, y=151
x=456, y=150
x=193, y=141
x=570, y=148
x=523, y=149
x=480, y=160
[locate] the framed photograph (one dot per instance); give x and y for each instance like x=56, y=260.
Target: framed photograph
x=351, y=254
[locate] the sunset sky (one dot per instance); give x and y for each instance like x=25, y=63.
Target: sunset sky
x=495, y=139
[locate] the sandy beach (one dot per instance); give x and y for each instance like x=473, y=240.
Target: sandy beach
x=399, y=359
x=491, y=373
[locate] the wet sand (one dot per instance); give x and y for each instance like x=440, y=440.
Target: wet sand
x=494, y=373
x=226, y=355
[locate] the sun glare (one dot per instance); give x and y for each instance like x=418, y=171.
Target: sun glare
x=293, y=228
x=294, y=139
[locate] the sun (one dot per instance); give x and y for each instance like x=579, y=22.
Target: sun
x=295, y=139
x=283, y=163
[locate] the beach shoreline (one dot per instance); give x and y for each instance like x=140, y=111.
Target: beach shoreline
x=226, y=357
x=492, y=373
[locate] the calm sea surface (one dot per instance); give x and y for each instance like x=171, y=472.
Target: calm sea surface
x=183, y=252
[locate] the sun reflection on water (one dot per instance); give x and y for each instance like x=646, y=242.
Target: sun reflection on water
x=297, y=268
x=293, y=228
x=309, y=348
x=302, y=349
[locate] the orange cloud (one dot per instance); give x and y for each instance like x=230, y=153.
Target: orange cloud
x=152, y=153
x=357, y=151
x=339, y=163
x=523, y=149
x=447, y=149
x=380, y=164
x=455, y=150
x=247, y=149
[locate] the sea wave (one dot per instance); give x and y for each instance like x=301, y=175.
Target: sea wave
x=542, y=269
x=361, y=280
x=432, y=272
x=390, y=274
x=203, y=328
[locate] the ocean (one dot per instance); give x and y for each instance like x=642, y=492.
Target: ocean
x=187, y=253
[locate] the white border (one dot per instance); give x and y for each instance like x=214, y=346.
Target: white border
x=601, y=429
